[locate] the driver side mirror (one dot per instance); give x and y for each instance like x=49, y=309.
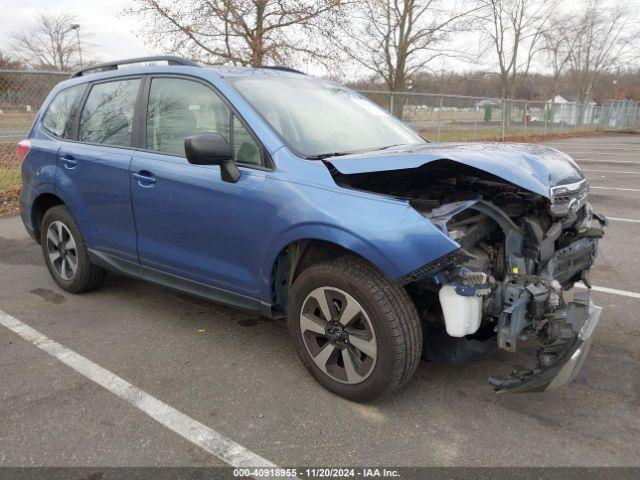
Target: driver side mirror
x=212, y=149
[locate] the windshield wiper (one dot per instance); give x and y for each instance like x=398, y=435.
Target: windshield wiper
x=322, y=156
x=388, y=146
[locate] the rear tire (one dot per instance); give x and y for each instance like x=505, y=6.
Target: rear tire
x=65, y=252
x=371, y=352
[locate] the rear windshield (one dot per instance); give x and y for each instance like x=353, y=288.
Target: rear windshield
x=319, y=118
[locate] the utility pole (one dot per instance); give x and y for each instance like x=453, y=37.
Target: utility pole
x=76, y=27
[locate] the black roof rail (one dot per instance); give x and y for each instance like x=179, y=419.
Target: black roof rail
x=170, y=59
x=283, y=69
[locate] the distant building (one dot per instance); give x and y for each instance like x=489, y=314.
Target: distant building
x=568, y=111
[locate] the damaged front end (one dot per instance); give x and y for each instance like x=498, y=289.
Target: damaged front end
x=510, y=281
x=520, y=273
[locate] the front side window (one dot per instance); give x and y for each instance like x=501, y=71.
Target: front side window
x=107, y=116
x=179, y=108
x=246, y=150
x=319, y=118
x=57, y=118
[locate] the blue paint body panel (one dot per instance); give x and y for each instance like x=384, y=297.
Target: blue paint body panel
x=533, y=167
x=97, y=189
x=191, y=224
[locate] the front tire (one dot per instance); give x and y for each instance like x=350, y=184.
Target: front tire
x=357, y=332
x=65, y=252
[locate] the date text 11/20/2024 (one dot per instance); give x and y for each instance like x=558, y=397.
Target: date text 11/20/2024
x=319, y=472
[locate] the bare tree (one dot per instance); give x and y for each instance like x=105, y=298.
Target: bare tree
x=8, y=62
x=559, y=41
x=396, y=39
x=607, y=38
x=514, y=29
x=239, y=32
x=51, y=42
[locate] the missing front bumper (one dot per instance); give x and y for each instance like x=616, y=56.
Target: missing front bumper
x=583, y=315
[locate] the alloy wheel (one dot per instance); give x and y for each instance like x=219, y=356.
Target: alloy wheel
x=62, y=250
x=338, y=335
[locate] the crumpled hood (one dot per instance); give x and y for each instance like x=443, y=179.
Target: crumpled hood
x=530, y=166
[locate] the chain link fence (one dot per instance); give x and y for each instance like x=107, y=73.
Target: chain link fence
x=445, y=118
x=621, y=115
x=438, y=117
x=21, y=94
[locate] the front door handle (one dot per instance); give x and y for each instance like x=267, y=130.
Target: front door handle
x=69, y=162
x=145, y=179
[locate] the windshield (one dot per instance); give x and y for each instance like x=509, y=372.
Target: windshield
x=318, y=118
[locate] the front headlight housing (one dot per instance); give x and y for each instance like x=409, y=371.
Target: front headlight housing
x=566, y=200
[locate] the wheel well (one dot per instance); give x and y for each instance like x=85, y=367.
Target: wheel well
x=43, y=203
x=293, y=260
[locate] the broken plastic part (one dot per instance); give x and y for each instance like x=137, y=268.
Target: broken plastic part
x=559, y=362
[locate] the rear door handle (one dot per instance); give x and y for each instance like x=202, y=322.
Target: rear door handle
x=145, y=179
x=69, y=162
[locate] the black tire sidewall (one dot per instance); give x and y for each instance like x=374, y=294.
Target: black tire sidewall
x=378, y=381
x=79, y=280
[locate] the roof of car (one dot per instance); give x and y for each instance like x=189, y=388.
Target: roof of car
x=232, y=71
x=222, y=70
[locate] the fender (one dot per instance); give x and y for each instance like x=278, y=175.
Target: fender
x=77, y=208
x=28, y=197
x=32, y=194
x=387, y=232
x=332, y=234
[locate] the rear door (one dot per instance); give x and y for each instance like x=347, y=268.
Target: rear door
x=93, y=172
x=190, y=223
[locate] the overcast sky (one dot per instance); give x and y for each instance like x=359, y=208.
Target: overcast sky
x=111, y=33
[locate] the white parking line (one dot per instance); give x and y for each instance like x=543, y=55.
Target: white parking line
x=209, y=440
x=612, y=162
x=627, y=142
x=610, y=171
x=628, y=220
x=615, y=291
x=584, y=146
x=599, y=151
x=604, y=159
x=581, y=149
x=620, y=189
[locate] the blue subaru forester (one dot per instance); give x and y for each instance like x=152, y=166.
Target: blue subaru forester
x=291, y=196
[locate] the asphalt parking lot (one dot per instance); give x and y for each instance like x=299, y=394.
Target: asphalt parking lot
x=239, y=375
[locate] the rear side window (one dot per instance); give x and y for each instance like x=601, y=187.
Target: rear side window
x=107, y=116
x=57, y=118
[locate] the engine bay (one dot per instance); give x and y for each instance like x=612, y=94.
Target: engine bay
x=520, y=253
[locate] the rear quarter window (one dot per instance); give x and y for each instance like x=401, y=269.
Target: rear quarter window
x=57, y=118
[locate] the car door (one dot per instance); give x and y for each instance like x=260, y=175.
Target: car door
x=190, y=223
x=93, y=172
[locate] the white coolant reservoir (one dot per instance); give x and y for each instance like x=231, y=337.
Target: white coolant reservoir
x=462, y=314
